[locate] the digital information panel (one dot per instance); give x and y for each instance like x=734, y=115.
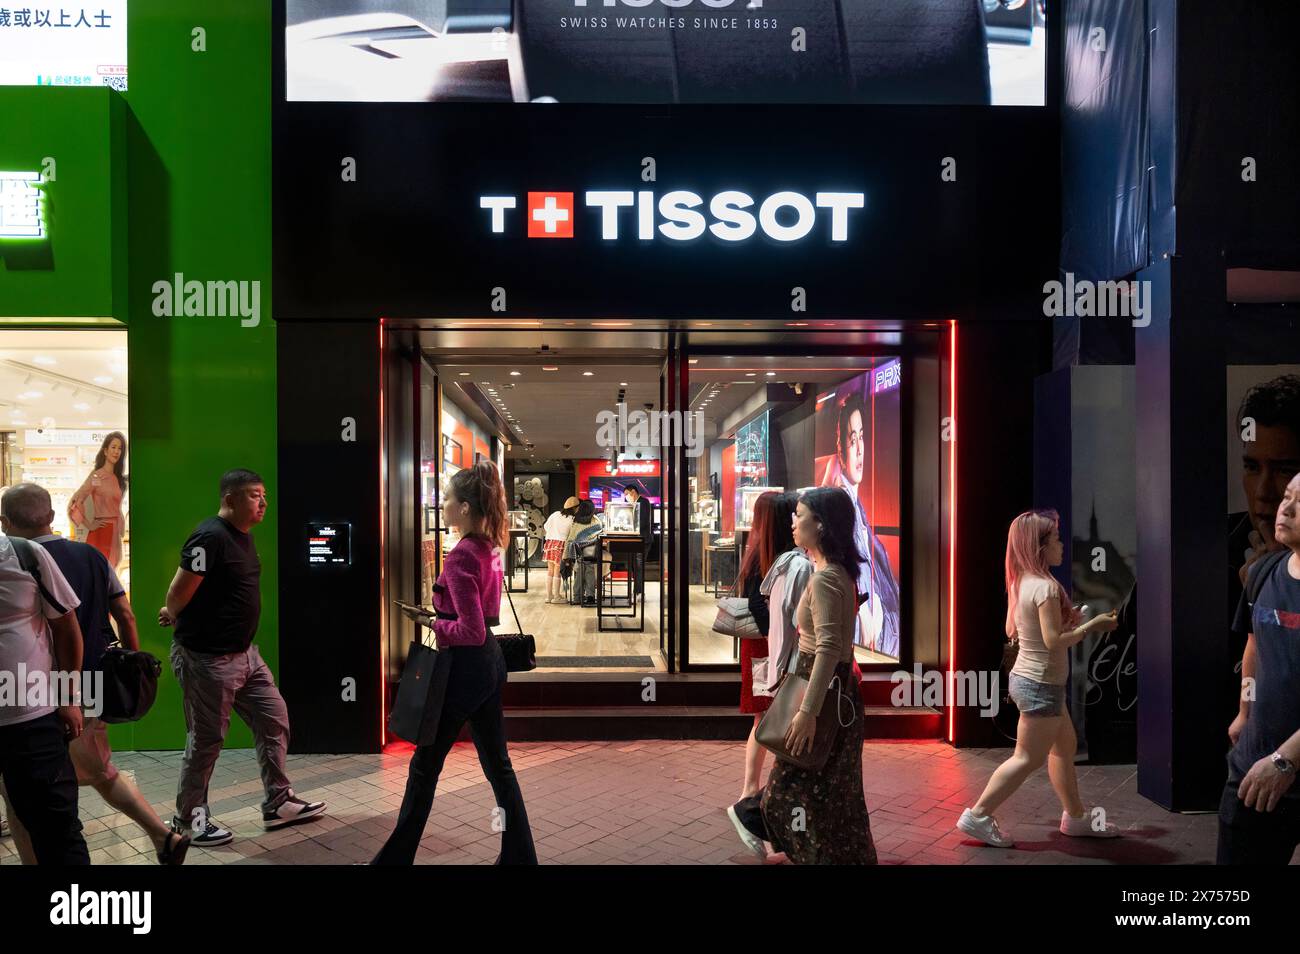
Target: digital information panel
x=77, y=43
x=329, y=544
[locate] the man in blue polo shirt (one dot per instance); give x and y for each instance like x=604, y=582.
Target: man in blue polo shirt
x=1259, y=815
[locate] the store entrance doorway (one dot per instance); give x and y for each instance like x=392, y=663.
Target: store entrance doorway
x=584, y=557
x=568, y=425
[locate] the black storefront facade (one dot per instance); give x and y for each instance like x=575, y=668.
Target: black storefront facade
x=915, y=278
x=384, y=243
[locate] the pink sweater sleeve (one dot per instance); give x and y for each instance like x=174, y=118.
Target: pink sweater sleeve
x=462, y=578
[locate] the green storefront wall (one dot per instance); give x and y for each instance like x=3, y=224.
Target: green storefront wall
x=174, y=176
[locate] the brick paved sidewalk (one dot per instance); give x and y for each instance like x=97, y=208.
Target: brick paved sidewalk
x=648, y=802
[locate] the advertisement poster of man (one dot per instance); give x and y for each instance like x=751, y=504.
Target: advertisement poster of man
x=1263, y=404
x=857, y=446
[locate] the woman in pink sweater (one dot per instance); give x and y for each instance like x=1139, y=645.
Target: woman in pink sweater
x=467, y=598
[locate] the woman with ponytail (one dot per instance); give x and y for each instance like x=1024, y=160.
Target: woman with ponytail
x=1040, y=616
x=467, y=598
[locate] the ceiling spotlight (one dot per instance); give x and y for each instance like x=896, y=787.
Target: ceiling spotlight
x=587, y=374
x=550, y=367
x=771, y=374
x=515, y=374
x=622, y=384
x=44, y=359
x=463, y=374
x=749, y=374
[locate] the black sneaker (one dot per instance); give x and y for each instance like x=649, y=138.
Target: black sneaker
x=212, y=835
x=291, y=811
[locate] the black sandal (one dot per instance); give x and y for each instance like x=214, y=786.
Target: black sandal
x=169, y=855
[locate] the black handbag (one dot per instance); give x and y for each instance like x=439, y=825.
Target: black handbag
x=519, y=649
x=130, y=684
x=420, y=695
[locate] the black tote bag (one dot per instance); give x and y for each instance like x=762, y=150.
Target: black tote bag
x=420, y=695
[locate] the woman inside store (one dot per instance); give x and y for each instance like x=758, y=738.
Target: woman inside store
x=584, y=530
x=1040, y=617
x=467, y=598
x=96, y=507
x=556, y=530
x=770, y=537
x=819, y=816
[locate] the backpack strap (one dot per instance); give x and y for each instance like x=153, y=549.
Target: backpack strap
x=28, y=561
x=1265, y=570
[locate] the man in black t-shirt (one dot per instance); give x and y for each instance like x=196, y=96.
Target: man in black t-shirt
x=214, y=602
x=1259, y=814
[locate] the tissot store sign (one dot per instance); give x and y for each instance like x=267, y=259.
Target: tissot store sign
x=678, y=215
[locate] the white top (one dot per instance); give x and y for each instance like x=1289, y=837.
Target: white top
x=557, y=526
x=1035, y=661
x=25, y=646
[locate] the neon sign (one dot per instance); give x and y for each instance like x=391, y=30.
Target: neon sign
x=22, y=206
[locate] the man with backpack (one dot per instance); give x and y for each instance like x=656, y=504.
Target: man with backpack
x=26, y=512
x=1259, y=814
x=39, y=636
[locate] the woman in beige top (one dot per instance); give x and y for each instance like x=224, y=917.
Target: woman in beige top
x=1039, y=614
x=820, y=817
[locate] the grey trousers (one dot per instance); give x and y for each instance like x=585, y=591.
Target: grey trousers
x=211, y=686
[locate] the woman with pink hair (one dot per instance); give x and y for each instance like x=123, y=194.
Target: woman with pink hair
x=1038, y=610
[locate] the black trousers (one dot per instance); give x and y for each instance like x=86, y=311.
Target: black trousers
x=1249, y=837
x=42, y=788
x=474, y=685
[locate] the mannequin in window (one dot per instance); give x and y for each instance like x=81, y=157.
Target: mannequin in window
x=96, y=507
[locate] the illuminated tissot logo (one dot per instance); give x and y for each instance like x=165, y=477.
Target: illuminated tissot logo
x=22, y=213
x=680, y=215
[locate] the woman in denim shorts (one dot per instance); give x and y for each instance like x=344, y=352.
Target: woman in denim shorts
x=1038, y=614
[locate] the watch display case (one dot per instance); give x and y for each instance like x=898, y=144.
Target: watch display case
x=619, y=518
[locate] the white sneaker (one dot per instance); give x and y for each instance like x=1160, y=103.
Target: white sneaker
x=985, y=828
x=752, y=841
x=1083, y=828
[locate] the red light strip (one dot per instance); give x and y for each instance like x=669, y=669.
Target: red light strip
x=952, y=528
x=383, y=549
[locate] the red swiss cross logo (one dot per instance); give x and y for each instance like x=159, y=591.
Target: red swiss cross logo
x=550, y=215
